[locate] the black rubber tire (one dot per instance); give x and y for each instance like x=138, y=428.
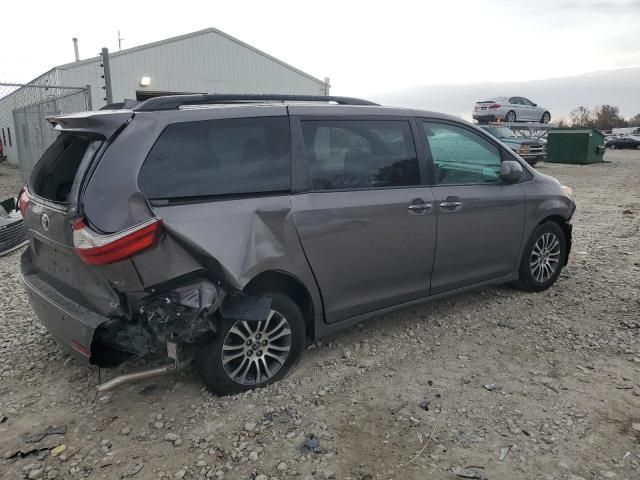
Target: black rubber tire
x=612, y=146
x=546, y=117
x=526, y=281
x=208, y=361
x=506, y=117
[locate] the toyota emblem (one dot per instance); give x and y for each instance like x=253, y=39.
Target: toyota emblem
x=44, y=219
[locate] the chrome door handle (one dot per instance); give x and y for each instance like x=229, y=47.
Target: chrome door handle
x=419, y=208
x=448, y=205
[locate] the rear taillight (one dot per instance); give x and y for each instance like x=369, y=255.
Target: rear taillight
x=97, y=249
x=23, y=201
x=495, y=105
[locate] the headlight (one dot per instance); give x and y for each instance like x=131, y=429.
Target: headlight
x=567, y=191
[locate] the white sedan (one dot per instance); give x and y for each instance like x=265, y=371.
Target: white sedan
x=510, y=109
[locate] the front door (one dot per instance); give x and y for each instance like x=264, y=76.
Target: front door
x=367, y=226
x=480, y=218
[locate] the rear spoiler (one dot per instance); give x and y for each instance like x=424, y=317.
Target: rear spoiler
x=104, y=123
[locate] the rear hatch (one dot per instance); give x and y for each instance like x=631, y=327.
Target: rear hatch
x=54, y=191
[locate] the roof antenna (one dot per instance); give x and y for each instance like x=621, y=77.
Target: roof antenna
x=120, y=39
x=75, y=48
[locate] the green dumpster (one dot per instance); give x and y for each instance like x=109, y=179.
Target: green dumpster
x=575, y=145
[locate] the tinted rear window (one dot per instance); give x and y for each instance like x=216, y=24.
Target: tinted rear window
x=219, y=157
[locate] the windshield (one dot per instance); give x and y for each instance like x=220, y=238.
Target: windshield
x=500, y=132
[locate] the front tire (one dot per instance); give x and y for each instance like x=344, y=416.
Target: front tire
x=546, y=117
x=246, y=355
x=543, y=258
x=510, y=117
x=612, y=146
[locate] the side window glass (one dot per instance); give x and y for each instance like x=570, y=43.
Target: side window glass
x=460, y=156
x=346, y=154
x=219, y=157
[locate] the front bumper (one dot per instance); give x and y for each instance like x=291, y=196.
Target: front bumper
x=72, y=325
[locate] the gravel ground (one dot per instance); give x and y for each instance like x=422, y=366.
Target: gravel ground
x=515, y=385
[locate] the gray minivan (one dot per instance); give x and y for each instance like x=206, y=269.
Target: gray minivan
x=232, y=229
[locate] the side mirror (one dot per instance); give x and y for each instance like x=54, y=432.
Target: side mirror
x=510, y=171
x=535, y=104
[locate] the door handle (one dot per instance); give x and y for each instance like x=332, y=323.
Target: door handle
x=419, y=206
x=450, y=204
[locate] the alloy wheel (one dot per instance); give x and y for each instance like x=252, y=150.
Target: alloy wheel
x=254, y=352
x=511, y=117
x=545, y=257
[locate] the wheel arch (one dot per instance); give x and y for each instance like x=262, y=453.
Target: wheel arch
x=566, y=229
x=291, y=286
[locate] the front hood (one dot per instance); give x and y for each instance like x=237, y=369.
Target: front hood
x=520, y=141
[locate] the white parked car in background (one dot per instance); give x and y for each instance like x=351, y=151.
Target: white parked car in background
x=510, y=109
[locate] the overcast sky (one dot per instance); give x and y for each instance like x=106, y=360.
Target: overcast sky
x=366, y=47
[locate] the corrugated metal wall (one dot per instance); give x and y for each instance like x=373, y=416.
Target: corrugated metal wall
x=209, y=62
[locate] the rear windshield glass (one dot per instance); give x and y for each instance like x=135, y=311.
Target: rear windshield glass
x=56, y=170
x=219, y=157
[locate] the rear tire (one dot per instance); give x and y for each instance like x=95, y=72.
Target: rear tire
x=546, y=117
x=510, y=117
x=543, y=258
x=612, y=146
x=251, y=348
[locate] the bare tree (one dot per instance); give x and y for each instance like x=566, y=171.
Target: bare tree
x=606, y=117
x=581, y=117
x=635, y=121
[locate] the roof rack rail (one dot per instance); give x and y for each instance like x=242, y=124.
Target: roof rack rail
x=173, y=102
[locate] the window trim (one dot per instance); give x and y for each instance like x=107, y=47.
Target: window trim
x=484, y=135
x=301, y=175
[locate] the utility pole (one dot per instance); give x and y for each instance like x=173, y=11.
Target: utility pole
x=106, y=75
x=120, y=39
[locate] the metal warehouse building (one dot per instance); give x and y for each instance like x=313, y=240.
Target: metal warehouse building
x=207, y=61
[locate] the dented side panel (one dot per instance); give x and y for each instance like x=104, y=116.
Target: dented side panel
x=233, y=240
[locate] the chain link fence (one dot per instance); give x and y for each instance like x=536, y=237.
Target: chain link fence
x=24, y=110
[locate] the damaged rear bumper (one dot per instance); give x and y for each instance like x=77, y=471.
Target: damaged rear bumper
x=72, y=325
x=181, y=315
